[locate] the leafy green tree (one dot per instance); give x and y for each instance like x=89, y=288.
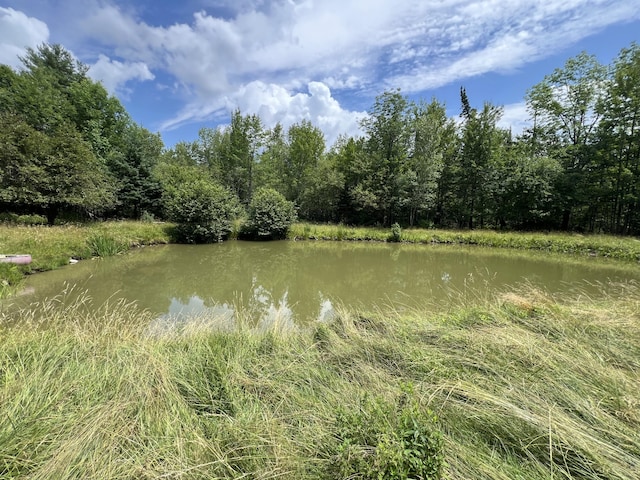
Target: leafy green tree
x=99, y=117
x=358, y=202
x=305, y=148
x=270, y=215
x=50, y=172
x=618, y=170
x=203, y=210
x=430, y=130
x=271, y=171
x=240, y=156
x=137, y=190
x=53, y=96
x=209, y=149
x=387, y=145
x=481, y=141
x=320, y=200
x=523, y=189
x=566, y=107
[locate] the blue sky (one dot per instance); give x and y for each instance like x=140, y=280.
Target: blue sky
x=178, y=66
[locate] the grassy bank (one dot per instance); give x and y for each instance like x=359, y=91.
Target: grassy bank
x=523, y=386
x=53, y=247
x=623, y=248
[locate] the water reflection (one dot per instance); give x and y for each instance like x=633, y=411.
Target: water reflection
x=300, y=282
x=261, y=312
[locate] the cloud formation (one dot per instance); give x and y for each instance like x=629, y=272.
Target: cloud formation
x=17, y=33
x=288, y=59
x=114, y=74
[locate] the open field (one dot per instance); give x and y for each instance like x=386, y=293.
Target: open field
x=521, y=386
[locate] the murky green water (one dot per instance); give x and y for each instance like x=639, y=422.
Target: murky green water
x=303, y=281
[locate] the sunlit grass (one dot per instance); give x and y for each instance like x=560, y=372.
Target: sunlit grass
x=524, y=386
x=53, y=247
x=609, y=246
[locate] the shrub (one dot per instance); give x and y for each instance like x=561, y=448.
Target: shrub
x=270, y=215
x=383, y=440
x=22, y=219
x=396, y=233
x=203, y=210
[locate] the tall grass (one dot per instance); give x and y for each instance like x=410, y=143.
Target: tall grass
x=520, y=386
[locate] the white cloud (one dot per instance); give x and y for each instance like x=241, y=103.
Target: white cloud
x=262, y=52
x=275, y=104
x=515, y=117
x=114, y=74
x=430, y=43
x=17, y=32
x=520, y=32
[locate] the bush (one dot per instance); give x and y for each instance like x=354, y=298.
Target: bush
x=270, y=215
x=22, y=219
x=383, y=440
x=203, y=210
x=396, y=233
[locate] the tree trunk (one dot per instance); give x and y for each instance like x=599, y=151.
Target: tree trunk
x=566, y=216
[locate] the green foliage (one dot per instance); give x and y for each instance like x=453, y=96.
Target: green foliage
x=147, y=217
x=56, y=127
x=132, y=166
x=270, y=215
x=238, y=154
x=22, y=219
x=10, y=278
x=68, y=146
x=384, y=441
x=396, y=233
x=203, y=210
x=102, y=245
x=306, y=146
x=50, y=172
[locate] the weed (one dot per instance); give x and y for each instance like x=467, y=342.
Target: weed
x=102, y=245
x=380, y=439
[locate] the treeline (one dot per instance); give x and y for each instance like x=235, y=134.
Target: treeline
x=68, y=145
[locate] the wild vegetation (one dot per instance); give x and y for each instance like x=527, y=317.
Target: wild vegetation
x=72, y=149
x=609, y=246
x=523, y=386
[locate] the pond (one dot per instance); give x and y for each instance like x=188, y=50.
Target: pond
x=304, y=281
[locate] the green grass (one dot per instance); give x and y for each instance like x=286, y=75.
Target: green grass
x=523, y=386
x=53, y=247
x=622, y=248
